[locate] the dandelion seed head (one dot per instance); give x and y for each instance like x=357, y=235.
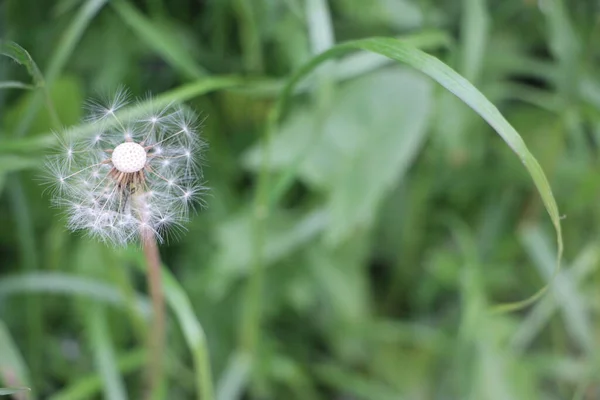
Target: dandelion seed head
x=129, y=178
x=129, y=157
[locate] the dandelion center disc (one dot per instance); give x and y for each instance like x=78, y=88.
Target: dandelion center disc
x=129, y=157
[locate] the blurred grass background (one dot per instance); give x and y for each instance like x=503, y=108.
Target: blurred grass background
x=396, y=216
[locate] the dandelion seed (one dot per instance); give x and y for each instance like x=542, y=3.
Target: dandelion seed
x=130, y=178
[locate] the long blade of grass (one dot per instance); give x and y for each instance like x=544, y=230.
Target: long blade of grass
x=25, y=234
x=104, y=354
x=160, y=39
x=178, y=95
x=21, y=56
x=574, y=309
x=15, y=85
x=191, y=328
x=70, y=285
x=9, y=391
x=464, y=90
x=87, y=387
x=13, y=369
x=59, y=58
x=193, y=333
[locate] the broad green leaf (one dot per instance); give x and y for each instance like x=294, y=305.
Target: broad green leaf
x=406, y=53
x=387, y=113
x=357, y=168
x=160, y=38
x=283, y=237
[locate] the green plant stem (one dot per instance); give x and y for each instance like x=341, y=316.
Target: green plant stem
x=156, y=341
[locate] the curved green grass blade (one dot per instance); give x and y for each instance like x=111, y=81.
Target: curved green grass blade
x=178, y=95
x=192, y=330
x=405, y=52
x=89, y=386
x=160, y=39
x=15, y=85
x=64, y=49
x=13, y=370
x=104, y=353
x=22, y=57
x=9, y=391
x=67, y=284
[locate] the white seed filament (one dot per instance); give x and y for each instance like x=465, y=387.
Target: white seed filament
x=129, y=157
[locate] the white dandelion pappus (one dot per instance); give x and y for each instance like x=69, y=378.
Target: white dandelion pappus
x=129, y=178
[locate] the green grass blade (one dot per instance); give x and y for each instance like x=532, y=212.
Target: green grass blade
x=12, y=163
x=104, y=354
x=192, y=330
x=406, y=53
x=70, y=285
x=178, y=95
x=65, y=48
x=160, y=39
x=193, y=333
x=474, y=33
x=15, y=85
x=234, y=378
x=22, y=57
x=71, y=37
x=89, y=386
x=12, y=365
x=25, y=234
x=9, y=391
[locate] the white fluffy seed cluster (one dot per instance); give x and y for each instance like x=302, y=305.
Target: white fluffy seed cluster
x=130, y=177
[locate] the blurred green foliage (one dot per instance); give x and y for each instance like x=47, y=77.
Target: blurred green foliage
x=359, y=259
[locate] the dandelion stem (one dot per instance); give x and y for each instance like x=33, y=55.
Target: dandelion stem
x=157, y=334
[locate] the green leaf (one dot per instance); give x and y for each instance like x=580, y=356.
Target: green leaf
x=284, y=236
x=160, y=38
x=405, y=52
x=394, y=108
x=357, y=169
